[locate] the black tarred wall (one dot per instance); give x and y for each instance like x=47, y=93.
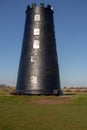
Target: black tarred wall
x=38, y=69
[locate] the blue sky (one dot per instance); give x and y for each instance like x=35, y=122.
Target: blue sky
x=70, y=17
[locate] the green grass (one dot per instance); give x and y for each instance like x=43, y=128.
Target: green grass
x=20, y=113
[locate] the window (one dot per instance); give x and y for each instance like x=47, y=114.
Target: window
x=37, y=17
x=36, y=44
x=33, y=79
x=32, y=58
x=36, y=31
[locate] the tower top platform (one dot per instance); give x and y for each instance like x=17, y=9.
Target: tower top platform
x=34, y=5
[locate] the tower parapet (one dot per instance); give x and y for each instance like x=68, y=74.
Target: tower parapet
x=40, y=6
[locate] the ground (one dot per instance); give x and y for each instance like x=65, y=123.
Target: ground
x=67, y=112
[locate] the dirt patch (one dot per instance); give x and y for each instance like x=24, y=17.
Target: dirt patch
x=56, y=100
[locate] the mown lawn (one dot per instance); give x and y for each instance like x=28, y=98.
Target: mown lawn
x=26, y=113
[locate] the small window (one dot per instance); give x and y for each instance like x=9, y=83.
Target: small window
x=36, y=44
x=33, y=79
x=36, y=31
x=32, y=58
x=37, y=17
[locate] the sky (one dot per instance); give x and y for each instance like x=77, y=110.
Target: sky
x=70, y=18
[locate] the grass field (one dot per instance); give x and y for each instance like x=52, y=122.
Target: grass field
x=68, y=112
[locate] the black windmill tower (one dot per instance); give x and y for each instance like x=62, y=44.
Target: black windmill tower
x=38, y=69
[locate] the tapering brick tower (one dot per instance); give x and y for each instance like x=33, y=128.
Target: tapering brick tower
x=38, y=70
